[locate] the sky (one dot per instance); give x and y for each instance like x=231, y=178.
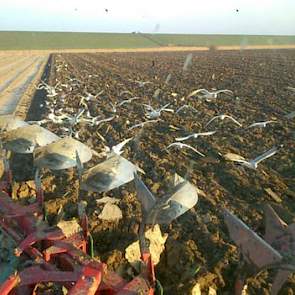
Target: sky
x=265, y=17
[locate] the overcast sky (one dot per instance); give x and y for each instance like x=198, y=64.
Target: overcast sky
x=163, y=16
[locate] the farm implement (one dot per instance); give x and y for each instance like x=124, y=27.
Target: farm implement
x=57, y=256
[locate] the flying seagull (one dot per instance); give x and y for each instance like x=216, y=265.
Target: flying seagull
x=195, y=135
x=222, y=117
x=253, y=163
x=142, y=83
x=143, y=123
x=261, y=124
x=152, y=113
x=118, y=148
x=186, y=106
x=290, y=88
x=204, y=93
x=183, y=145
x=129, y=100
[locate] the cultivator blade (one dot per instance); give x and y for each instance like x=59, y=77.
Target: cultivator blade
x=184, y=197
x=6, y=181
x=25, y=139
x=79, y=166
x=9, y=122
x=108, y=175
x=254, y=249
x=167, y=208
x=62, y=154
x=39, y=190
x=276, y=251
x=275, y=229
x=144, y=195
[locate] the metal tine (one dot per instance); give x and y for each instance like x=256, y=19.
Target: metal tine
x=255, y=250
x=152, y=208
x=80, y=167
x=164, y=212
x=37, y=179
x=145, y=196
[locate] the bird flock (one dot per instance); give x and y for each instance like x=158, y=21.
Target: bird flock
x=64, y=150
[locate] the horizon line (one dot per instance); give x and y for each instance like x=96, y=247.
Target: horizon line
x=150, y=33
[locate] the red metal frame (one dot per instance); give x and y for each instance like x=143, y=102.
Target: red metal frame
x=57, y=258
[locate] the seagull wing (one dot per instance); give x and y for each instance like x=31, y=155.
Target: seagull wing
x=99, y=93
x=204, y=91
x=193, y=149
x=205, y=133
x=164, y=107
x=118, y=147
x=226, y=91
x=104, y=120
x=184, y=138
x=179, y=109
x=266, y=155
x=270, y=121
x=214, y=118
x=134, y=126
x=80, y=113
x=290, y=88
x=253, y=125
x=234, y=120
x=125, y=92
x=173, y=144
x=122, y=102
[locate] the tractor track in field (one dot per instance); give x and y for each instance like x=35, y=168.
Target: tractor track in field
x=18, y=78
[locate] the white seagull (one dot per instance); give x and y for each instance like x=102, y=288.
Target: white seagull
x=290, y=88
x=253, y=164
x=117, y=149
x=152, y=113
x=142, y=83
x=195, y=135
x=127, y=101
x=125, y=92
x=183, y=145
x=143, y=123
x=222, y=117
x=186, y=106
x=204, y=93
x=95, y=122
x=261, y=124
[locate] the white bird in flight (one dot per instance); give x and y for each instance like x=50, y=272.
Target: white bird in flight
x=125, y=92
x=261, y=124
x=195, y=135
x=117, y=149
x=51, y=90
x=143, y=123
x=222, y=117
x=152, y=113
x=253, y=164
x=95, y=122
x=184, y=145
x=129, y=100
x=186, y=106
x=204, y=93
x=142, y=83
x=290, y=88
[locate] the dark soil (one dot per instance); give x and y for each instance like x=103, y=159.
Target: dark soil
x=199, y=238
